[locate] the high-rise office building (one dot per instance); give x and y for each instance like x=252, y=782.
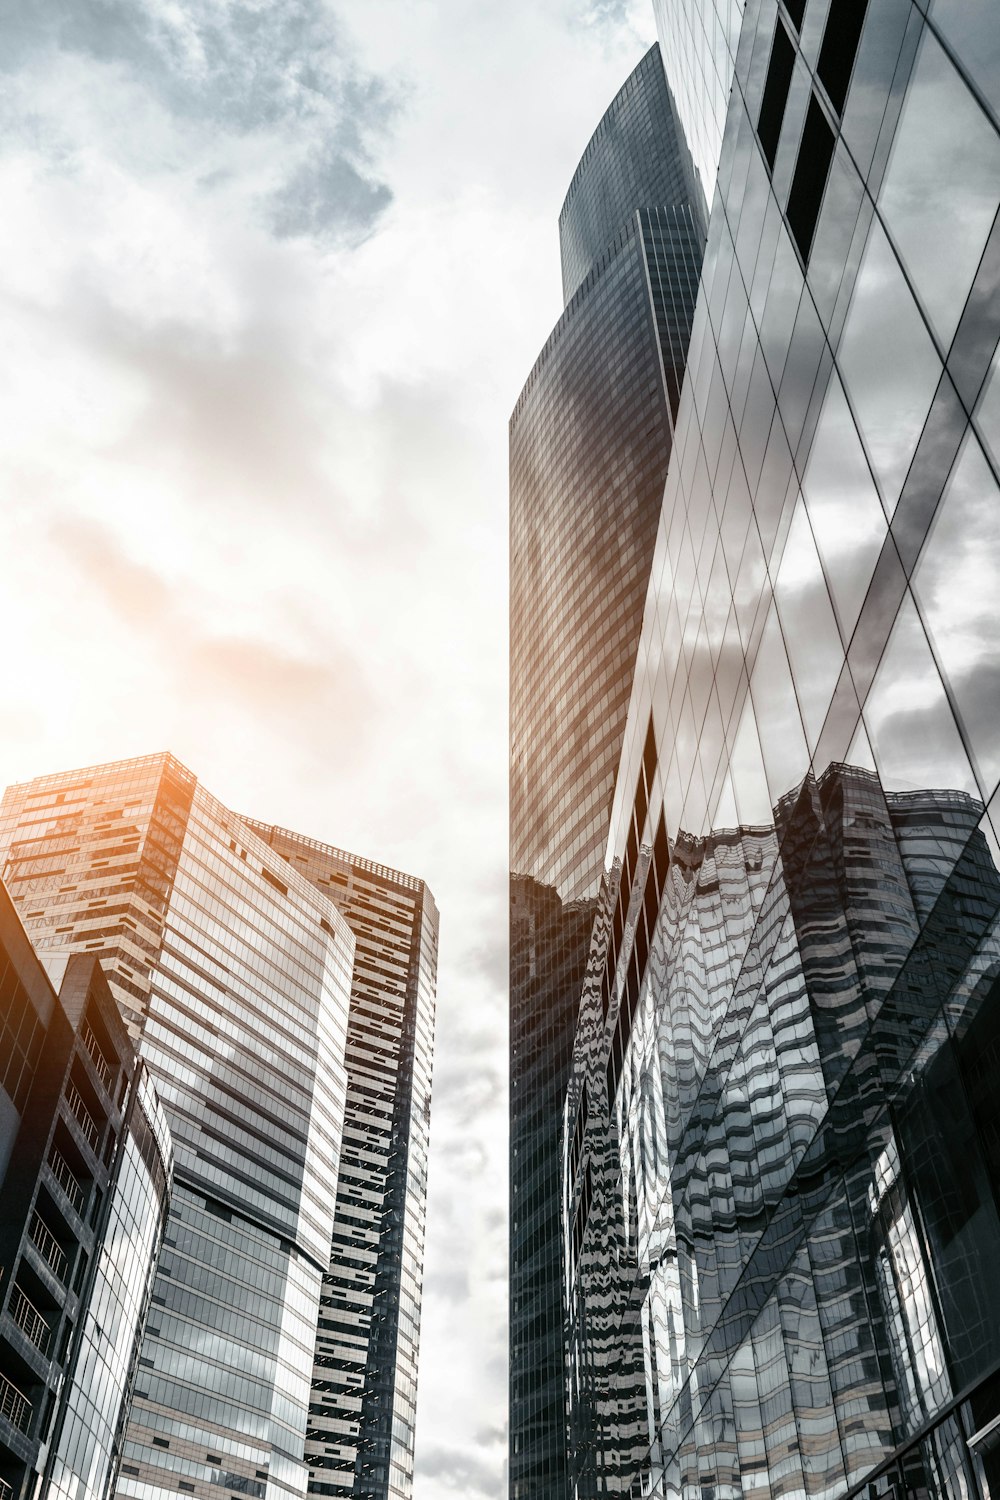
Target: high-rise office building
x=590, y=438
x=362, y=1407
x=85, y=1171
x=781, y=1181
x=235, y=973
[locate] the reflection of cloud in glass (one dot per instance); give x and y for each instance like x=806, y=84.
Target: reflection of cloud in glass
x=910, y=724
x=943, y=138
x=847, y=518
x=957, y=584
x=973, y=32
x=753, y=800
x=778, y=720
x=808, y=625
x=988, y=411
x=889, y=365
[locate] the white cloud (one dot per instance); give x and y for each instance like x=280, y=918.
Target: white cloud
x=271, y=276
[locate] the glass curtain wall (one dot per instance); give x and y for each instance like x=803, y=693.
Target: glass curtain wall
x=780, y=1171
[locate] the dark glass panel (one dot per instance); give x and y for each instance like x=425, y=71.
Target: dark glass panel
x=809, y=181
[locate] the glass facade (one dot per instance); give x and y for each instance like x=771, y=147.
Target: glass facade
x=236, y=973
x=85, y=1184
x=362, y=1406
x=590, y=438
x=86, y=1443
x=780, y=1174
x=625, y=167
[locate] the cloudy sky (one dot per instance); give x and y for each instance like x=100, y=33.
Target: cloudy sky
x=272, y=273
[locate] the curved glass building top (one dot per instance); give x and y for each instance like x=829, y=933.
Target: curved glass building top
x=636, y=158
x=782, y=1113
x=590, y=439
x=588, y=454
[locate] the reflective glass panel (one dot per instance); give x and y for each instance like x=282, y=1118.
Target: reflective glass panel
x=808, y=625
x=973, y=32
x=943, y=138
x=910, y=725
x=988, y=411
x=847, y=518
x=957, y=585
x=778, y=720
x=889, y=365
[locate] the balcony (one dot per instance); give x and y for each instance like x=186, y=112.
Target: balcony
x=30, y=1321
x=97, y=1058
x=48, y=1246
x=6, y=1490
x=83, y=1117
x=14, y=1405
x=66, y=1180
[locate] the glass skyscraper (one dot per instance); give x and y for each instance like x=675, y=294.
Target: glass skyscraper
x=780, y=1164
x=590, y=438
x=85, y=1173
x=235, y=973
x=362, y=1407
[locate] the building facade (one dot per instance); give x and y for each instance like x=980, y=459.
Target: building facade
x=781, y=1182
x=235, y=974
x=362, y=1406
x=85, y=1178
x=590, y=438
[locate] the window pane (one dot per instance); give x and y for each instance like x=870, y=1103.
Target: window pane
x=944, y=139
x=973, y=32
x=753, y=800
x=889, y=365
x=847, y=517
x=988, y=411
x=808, y=626
x=779, y=724
x=957, y=584
x=910, y=725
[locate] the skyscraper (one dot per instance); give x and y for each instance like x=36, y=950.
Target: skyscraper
x=235, y=973
x=85, y=1171
x=781, y=1184
x=590, y=438
x=362, y=1407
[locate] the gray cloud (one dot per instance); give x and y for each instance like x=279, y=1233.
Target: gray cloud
x=459, y=1470
x=282, y=67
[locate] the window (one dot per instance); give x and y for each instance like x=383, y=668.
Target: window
x=772, y=107
x=809, y=182
x=840, y=47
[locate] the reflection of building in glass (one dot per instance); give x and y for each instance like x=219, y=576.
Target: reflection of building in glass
x=590, y=437
x=362, y=1407
x=85, y=1167
x=236, y=974
x=781, y=1185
